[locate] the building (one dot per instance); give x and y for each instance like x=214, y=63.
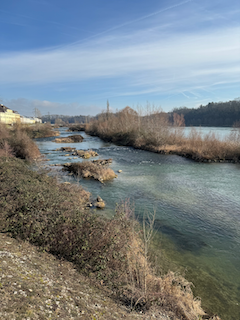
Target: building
x=26, y=120
x=8, y=116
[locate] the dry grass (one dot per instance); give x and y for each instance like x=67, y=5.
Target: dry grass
x=153, y=132
x=15, y=142
x=77, y=127
x=36, y=285
x=39, y=130
x=89, y=169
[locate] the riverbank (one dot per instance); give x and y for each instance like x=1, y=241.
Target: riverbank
x=153, y=133
x=36, y=285
x=34, y=207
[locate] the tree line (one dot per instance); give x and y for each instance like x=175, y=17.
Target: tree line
x=214, y=114
x=58, y=119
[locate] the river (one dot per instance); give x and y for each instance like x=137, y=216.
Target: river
x=197, y=213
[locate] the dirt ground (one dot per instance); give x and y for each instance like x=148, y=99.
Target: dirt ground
x=36, y=285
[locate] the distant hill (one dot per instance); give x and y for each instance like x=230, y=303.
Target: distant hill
x=214, y=114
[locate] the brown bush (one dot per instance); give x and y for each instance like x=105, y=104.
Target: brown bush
x=89, y=169
x=23, y=146
x=16, y=142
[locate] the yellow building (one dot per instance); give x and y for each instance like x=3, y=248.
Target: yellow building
x=8, y=116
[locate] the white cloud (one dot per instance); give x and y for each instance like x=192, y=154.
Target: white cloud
x=142, y=59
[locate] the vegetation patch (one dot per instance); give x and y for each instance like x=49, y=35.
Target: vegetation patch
x=154, y=132
x=69, y=139
x=111, y=252
x=40, y=130
x=16, y=142
x=77, y=127
x=90, y=169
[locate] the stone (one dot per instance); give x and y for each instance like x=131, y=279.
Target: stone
x=100, y=204
x=99, y=199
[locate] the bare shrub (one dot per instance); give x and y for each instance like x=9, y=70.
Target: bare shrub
x=5, y=150
x=24, y=147
x=14, y=141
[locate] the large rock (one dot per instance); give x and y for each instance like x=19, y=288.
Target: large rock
x=99, y=203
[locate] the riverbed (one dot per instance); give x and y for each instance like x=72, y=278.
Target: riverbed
x=197, y=213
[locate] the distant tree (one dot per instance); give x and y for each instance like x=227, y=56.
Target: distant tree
x=219, y=114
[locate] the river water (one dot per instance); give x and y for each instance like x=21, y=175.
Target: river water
x=197, y=213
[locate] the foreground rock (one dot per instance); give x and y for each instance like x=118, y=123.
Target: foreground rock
x=99, y=203
x=70, y=139
x=96, y=169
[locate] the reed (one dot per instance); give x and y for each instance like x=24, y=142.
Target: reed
x=153, y=131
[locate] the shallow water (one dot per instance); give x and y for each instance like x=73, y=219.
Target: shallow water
x=197, y=213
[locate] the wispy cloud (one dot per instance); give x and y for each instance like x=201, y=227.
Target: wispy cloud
x=181, y=51
x=134, y=21
x=192, y=58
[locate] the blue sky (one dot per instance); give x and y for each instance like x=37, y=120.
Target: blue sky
x=69, y=57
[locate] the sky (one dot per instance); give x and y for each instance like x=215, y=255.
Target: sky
x=70, y=57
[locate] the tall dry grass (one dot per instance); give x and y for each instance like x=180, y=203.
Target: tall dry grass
x=15, y=142
x=152, y=131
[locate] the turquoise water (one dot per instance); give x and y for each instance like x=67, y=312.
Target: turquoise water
x=197, y=213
